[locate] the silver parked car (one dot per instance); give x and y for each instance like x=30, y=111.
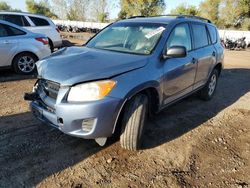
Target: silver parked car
x=35, y=23
x=20, y=49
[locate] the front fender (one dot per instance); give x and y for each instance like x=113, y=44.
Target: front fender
x=131, y=83
x=143, y=86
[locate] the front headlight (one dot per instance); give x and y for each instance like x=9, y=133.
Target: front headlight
x=91, y=91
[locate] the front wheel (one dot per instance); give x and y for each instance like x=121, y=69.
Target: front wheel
x=208, y=91
x=25, y=63
x=135, y=114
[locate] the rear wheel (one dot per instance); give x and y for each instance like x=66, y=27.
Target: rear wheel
x=208, y=91
x=51, y=46
x=134, y=117
x=25, y=63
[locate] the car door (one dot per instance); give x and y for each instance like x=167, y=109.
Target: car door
x=7, y=46
x=205, y=53
x=179, y=72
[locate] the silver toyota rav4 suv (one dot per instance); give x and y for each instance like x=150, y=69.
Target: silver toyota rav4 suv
x=129, y=70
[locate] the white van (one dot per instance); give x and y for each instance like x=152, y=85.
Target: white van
x=35, y=23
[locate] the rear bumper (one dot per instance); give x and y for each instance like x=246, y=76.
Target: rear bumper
x=58, y=43
x=43, y=52
x=68, y=118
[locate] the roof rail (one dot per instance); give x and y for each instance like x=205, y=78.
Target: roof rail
x=177, y=16
x=194, y=17
x=136, y=17
x=188, y=16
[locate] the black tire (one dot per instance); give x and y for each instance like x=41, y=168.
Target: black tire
x=51, y=46
x=134, y=117
x=21, y=67
x=208, y=91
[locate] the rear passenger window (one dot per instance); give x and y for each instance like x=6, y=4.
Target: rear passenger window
x=180, y=36
x=200, y=35
x=39, y=21
x=14, y=31
x=6, y=30
x=15, y=19
x=213, y=33
x=3, y=31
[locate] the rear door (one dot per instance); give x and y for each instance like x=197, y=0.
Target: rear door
x=6, y=46
x=205, y=53
x=9, y=37
x=215, y=40
x=179, y=72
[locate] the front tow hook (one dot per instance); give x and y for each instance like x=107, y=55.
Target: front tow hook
x=30, y=96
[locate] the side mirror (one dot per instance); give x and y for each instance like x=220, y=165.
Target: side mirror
x=175, y=52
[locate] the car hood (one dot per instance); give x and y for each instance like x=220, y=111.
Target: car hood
x=73, y=65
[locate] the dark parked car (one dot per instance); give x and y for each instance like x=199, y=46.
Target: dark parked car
x=132, y=68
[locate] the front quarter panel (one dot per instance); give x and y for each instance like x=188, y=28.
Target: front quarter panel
x=131, y=83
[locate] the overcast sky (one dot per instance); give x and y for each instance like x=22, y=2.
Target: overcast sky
x=20, y=4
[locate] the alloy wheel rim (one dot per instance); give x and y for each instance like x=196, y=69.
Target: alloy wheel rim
x=26, y=64
x=212, y=85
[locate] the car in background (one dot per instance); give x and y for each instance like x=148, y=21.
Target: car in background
x=20, y=49
x=37, y=24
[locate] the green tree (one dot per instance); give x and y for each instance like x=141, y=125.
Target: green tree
x=211, y=9
x=122, y=14
x=76, y=10
x=235, y=13
x=72, y=15
x=244, y=8
x=101, y=13
x=5, y=6
x=141, y=8
x=245, y=25
x=60, y=8
x=185, y=9
x=39, y=8
x=244, y=14
x=102, y=17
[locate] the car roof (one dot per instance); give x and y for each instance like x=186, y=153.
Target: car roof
x=166, y=19
x=23, y=14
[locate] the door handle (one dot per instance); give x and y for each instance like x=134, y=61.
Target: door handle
x=213, y=54
x=194, y=60
x=7, y=42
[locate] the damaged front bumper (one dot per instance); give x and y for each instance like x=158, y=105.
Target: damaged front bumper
x=89, y=120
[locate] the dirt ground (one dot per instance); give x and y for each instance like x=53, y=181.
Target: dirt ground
x=191, y=144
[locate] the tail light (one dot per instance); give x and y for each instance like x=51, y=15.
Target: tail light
x=44, y=40
x=222, y=44
x=57, y=30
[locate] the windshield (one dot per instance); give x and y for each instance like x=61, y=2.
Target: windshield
x=128, y=37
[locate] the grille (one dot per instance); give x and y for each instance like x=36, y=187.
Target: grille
x=49, y=88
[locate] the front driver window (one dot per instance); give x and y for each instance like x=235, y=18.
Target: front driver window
x=180, y=36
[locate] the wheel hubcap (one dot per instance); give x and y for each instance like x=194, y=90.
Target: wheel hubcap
x=212, y=85
x=26, y=64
